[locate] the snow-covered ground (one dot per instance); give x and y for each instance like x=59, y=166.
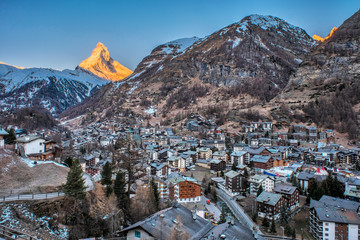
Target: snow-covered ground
x=18, y=217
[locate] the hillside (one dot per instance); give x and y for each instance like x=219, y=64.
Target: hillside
x=22, y=176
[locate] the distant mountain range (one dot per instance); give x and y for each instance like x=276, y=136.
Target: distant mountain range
x=57, y=90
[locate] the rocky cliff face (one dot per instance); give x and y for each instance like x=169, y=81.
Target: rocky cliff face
x=48, y=88
x=102, y=65
x=332, y=62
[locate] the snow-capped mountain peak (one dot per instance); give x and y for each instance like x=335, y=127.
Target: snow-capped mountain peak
x=102, y=65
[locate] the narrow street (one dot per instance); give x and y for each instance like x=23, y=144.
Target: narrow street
x=238, y=212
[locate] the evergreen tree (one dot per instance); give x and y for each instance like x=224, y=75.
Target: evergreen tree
x=260, y=190
x=106, y=174
x=68, y=161
x=293, y=235
x=233, y=167
x=155, y=192
x=214, y=194
x=222, y=216
x=273, y=226
x=293, y=179
x=11, y=138
x=246, y=173
x=265, y=222
x=284, y=214
x=120, y=192
x=109, y=190
x=222, y=173
x=75, y=183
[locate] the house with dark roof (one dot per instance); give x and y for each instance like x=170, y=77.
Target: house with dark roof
x=269, y=205
x=235, y=182
x=334, y=218
x=262, y=162
x=289, y=193
x=161, y=224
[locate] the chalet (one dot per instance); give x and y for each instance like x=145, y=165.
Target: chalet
x=92, y=170
x=162, y=188
x=2, y=134
x=160, y=225
x=221, y=155
x=262, y=162
x=267, y=126
x=239, y=158
x=205, y=153
x=176, y=162
x=267, y=183
x=31, y=144
x=299, y=128
x=269, y=205
x=159, y=169
x=334, y=218
x=352, y=189
x=183, y=189
x=217, y=165
x=192, y=154
x=303, y=179
x=235, y=182
x=289, y=193
x=257, y=151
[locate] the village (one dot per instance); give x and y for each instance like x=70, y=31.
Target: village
x=270, y=176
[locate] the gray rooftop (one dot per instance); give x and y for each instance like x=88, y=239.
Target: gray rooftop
x=160, y=223
x=231, y=174
x=285, y=189
x=269, y=198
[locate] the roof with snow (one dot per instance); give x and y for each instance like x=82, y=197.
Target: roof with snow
x=160, y=224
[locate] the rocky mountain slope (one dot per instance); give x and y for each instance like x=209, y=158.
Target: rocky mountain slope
x=333, y=62
x=257, y=50
x=48, y=88
x=326, y=86
x=102, y=65
x=245, y=62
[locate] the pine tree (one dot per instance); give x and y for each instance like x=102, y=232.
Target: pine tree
x=11, y=138
x=75, y=183
x=155, y=192
x=284, y=214
x=260, y=190
x=246, y=173
x=106, y=174
x=120, y=192
x=265, y=222
x=222, y=216
x=233, y=167
x=273, y=226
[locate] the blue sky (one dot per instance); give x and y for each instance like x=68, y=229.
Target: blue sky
x=60, y=34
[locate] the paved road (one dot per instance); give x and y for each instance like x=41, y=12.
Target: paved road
x=16, y=197
x=238, y=212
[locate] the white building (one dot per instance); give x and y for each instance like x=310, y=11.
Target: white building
x=267, y=182
x=30, y=144
x=2, y=134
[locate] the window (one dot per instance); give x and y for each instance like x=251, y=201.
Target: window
x=326, y=234
x=326, y=229
x=137, y=234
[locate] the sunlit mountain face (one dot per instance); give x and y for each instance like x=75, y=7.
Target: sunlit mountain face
x=102, y=65
x=320, y=39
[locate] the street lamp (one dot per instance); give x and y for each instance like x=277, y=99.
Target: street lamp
x=283, y=231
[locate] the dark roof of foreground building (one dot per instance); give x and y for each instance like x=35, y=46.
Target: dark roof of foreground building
x=160, y=224
x=330, y=209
